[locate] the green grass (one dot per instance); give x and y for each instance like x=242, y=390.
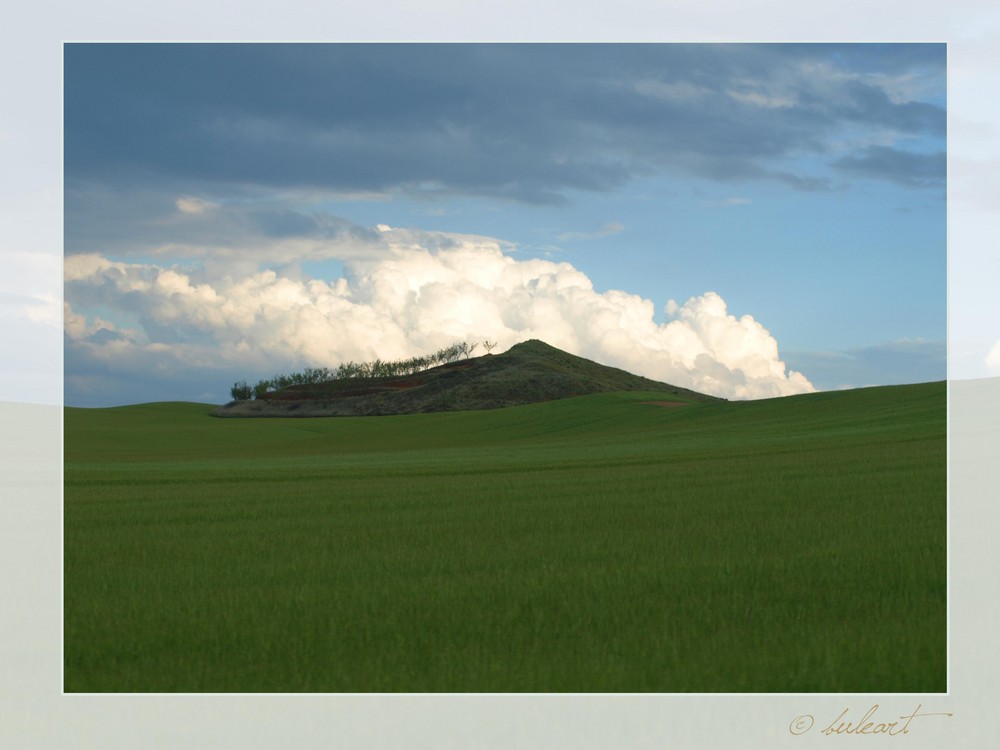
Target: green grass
x=591, y=544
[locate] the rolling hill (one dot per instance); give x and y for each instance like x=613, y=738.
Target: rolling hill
x=591, y=544
x=527, y=373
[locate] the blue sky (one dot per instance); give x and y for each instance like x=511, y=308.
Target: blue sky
x=750, y=220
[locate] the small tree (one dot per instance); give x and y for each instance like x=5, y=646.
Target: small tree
x=451, y=353
x=489, y=346
x=241, y=391
x=261, y=389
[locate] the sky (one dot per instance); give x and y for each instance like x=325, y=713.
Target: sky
x=748, y=220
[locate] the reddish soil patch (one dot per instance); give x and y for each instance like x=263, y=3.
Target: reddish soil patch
x=401, y=385
x=667, y=403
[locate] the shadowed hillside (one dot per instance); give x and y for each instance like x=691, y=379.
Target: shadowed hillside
x=527, y=373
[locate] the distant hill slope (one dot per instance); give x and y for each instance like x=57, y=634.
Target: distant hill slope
x=527, y=373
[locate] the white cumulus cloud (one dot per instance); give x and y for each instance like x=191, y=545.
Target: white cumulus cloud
x=993, y=359
x=189, y=205
x=423, y=294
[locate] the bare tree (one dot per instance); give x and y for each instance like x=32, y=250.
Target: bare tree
x=489, y=346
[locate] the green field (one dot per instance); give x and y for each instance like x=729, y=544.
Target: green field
x=592, y=544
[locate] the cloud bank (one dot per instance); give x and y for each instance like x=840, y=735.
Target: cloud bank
x=529, y=123
x=419, y=296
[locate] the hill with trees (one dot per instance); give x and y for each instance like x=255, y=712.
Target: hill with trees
x=529, y=372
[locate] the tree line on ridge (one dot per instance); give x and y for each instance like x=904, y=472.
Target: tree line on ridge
x=377, y=368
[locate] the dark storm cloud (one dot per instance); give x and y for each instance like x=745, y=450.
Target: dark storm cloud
x=135, y=221
x=905, y=168
x=525, y=122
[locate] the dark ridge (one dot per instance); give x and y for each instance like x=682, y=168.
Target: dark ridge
x=527, y=373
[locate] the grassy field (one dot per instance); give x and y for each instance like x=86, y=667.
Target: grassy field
x=593, y=544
